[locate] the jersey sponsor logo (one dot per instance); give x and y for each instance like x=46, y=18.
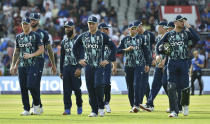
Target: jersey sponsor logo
x=92, y=45
x=25, y=44
x=180, y=43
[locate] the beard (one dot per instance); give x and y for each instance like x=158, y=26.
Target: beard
x=35, y=25
x=70, y=33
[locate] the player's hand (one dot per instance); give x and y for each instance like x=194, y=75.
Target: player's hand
x=153, y=62
x=54, y=70
x=162, y=63
x=27, y=55
x=158, y=59
x=104, y=63
x=130, y=48
x=187, y=24
x=61, y=75
x=13, y=70
x=77, y=73
x=146, y=69
x=83, y=62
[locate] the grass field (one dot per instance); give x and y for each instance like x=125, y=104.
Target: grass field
x=11, y=107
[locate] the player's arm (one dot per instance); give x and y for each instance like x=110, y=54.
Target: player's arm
x=51, y=56
x=146, y=52
x=15, y=58
x=62, y=60
x=159, y=46
x=111, y=46
x=193, y=35
x=121, y=47
x=191, y=70
x=200, y=64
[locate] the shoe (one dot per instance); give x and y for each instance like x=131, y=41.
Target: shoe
x=41, y=110
x=35, y=110
x=136, y=109
x=25, y=113
x=168, y=110
x=146, y=107
x=185, y=110
x=79, y=110
x=92, y=114
x=108, y=109
x=101, y=112
x=67, y=112
x=173, y=115
x=131, y=111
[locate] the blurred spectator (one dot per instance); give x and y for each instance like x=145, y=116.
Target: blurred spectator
x=63, y=12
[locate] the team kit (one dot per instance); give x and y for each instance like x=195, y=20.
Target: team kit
x=94, y=51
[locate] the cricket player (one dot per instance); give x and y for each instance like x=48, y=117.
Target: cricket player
x=195, y=71
x=68, y=66
x=174, y=44
x=135, y=50
x=160, y=78
x=103, y=27
x=34, y=20
x=150, y=39
x=28, y=47
x=89, y=51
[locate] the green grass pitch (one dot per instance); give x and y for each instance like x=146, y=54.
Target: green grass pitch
x=11, y=107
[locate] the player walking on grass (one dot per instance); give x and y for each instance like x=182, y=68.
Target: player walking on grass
x=160, y=78
x=28, y=47
x=68, y=67
x=103, y=27
x=150, y=41
x=89, y=51
x=34, y=20
x=135, y=50
x=177, y=68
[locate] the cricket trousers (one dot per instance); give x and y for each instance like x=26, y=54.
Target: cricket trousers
x=107, y=82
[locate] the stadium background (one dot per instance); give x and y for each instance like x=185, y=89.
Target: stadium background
x=116, y=13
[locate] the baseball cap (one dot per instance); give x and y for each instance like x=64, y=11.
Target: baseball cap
x=163, y=23
x=68, y=24
x=179, y=17
x=170, y=24
x=103, y=25
x=137, y=23
x=34, y=16
x=92, y=19
x=25, y=20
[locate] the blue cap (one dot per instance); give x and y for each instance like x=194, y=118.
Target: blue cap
x=131, y=25
x=164, y=24
x=68, y=24
x=25, y=20
x=170, y=24
x=179, y=17
x=34, y=16
x=92, y=19
x=103, y=25
x=137, y=23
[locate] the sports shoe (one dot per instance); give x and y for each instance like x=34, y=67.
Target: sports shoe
x=92, y=114
x=67, y=112
x=146, y=107
x=173, y=115
x=41, y=110
x=101, y=112
x=108, y=109
x=131, y=111
x=79, y=110
x=168, y=110
x=136, y=109
x=35, y=110
x=25, y=113
x=185, y=110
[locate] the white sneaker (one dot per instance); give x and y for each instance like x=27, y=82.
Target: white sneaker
x=92, y=114
x=146, y=107
x=173, y=115
x=168, y=110
x=36, y=110
x=136, y=109
x=41, y=110
x=25, y=113
x=131, y=111
x=185, y=110
x=108, y=109
x=101, y=112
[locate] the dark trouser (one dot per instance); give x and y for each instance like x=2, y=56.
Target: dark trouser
x=71, y=83
x=196, y=75
x=135, y=84
x=107, y=81
x=147, y=90
x=28, y=79
x=95, y=86
x=158, y=81
x=178, y=79
x=40, y=65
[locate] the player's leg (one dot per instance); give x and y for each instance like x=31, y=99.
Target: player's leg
x=199, y=73
x=139, y=87
x=129, y=77
x=76, y=84
x=164, y=80
x=67, y=90
x=89, y=77
x=172, y=88
x=156, y=85
x=22, y=75
x=147, y=90
x=107, y=88
x=193, y=77
x=99, y=89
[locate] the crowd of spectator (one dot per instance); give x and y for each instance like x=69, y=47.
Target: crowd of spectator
x=54, y=13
